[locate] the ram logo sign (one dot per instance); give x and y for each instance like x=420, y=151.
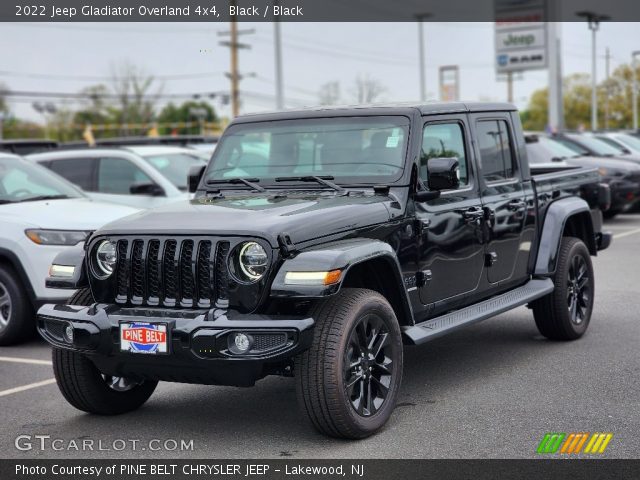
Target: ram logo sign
x=574, y=443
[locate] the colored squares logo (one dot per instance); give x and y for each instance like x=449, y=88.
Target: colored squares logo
x=573, y=443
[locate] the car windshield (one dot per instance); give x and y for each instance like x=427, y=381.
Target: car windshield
x=555, y=150
x=174, y=166
x=23, y=181
x=595, y=145
x=351, y=150
x=629, y=140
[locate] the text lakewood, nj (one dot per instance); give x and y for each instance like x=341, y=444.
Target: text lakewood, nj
x=209, y=11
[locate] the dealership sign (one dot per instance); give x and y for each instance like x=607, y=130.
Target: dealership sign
x=520, y=35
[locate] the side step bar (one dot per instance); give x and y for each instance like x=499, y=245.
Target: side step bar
x=438, y=326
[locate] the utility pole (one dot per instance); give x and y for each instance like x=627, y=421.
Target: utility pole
x=606, y=91
x=593, y=20
x=423, y=81
x=277, y=45
x=234, y=75
x=634, y=87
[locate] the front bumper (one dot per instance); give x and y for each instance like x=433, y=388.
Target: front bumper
x=197, y=342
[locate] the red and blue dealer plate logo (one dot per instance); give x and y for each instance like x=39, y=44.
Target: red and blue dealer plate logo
x=142, y=337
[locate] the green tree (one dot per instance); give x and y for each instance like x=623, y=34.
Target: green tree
x=189, y=111
x=577, y=102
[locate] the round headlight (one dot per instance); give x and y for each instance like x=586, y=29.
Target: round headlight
x=106, y=257
x=253, y=261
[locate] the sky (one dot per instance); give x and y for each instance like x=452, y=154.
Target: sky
x=186, y=58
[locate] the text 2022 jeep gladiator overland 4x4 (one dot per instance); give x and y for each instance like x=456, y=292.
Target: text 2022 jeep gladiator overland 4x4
x=318, y=242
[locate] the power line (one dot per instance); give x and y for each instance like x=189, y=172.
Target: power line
x=51, y=76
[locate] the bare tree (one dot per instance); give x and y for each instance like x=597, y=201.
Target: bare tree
x=367, y=89
x=3, y=98
x=132, y=87
x=329, y=93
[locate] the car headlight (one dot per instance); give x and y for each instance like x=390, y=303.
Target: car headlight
x=249, y=263
x=106, y=258
x=56, y=237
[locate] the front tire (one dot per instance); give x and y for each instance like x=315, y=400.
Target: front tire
x=564, y=314
x=348, y=381
x=17, y=319
x=89, y=390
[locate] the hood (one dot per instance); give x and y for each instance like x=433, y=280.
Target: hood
x=64, y=214
x=302, y=217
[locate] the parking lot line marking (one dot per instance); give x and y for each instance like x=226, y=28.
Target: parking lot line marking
x=626, y=234
x=27, y=387
x=25, y=360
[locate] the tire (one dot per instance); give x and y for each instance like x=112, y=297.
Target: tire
x=86, y=388
x=17, y=318
x=609, y=214
x=323, y=372
x=565, y=313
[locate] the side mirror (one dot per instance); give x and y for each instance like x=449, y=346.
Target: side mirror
x=146, y=188
x=443, y=173
x=194, y=177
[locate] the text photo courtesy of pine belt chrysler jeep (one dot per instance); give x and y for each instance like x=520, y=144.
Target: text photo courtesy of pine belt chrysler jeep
x=317, y=244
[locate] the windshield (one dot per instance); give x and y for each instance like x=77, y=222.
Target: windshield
x=629, y=141
x=597, y=146
x=547, y=150
x=352, y=150
x=22, y=181
x=174, y=166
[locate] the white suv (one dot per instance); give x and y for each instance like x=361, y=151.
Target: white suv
x=41, y=215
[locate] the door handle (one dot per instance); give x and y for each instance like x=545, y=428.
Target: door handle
x=515, y=205
x=472, y=214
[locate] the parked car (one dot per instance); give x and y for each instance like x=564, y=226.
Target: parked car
x=588, y=144
x=26, y=146
x=401, y=224
x=142, y=177
x=623, y=177
x=625, y=142
x=41, y=215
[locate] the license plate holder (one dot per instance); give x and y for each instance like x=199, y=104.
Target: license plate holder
x=146, y=338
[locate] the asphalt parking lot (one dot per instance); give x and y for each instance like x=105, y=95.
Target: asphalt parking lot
x=490, y=391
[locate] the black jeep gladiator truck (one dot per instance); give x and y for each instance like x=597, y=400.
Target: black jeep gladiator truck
x=318, y=243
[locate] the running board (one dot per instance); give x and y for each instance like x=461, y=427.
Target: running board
x=438, y=326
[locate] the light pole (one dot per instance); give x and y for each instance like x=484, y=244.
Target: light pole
x=423, y=82
x=593, y=19
x=634, y=87
x=277, y=45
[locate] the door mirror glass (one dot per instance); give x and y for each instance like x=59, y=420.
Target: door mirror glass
x=194, y=177
x=443, y=173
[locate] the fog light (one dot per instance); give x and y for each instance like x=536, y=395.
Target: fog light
x=68, y=333
x=240, y=343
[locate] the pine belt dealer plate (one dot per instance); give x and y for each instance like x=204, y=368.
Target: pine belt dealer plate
x=143, y=337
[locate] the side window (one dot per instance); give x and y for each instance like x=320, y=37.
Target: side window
x=116, y=175
x=444, y=140
x=495, y=150
x=77, y=170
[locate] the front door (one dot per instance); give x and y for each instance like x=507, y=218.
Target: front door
x=507, y=199
x=451, y=243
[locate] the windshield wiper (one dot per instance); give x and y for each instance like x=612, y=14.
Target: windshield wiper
x=312, y=178
x=249, y=182
x=44, y=197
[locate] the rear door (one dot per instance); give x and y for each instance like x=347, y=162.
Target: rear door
x=506, y=196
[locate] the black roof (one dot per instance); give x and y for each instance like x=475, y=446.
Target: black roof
x=27, y=145
x=430, y=108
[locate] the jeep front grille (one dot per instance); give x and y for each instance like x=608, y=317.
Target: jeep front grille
x=171, y=272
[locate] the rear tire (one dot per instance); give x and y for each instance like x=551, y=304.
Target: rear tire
x=17, y=318
x=86, y=388
x=348, y=381
x=609, y=214
x=564, y=314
